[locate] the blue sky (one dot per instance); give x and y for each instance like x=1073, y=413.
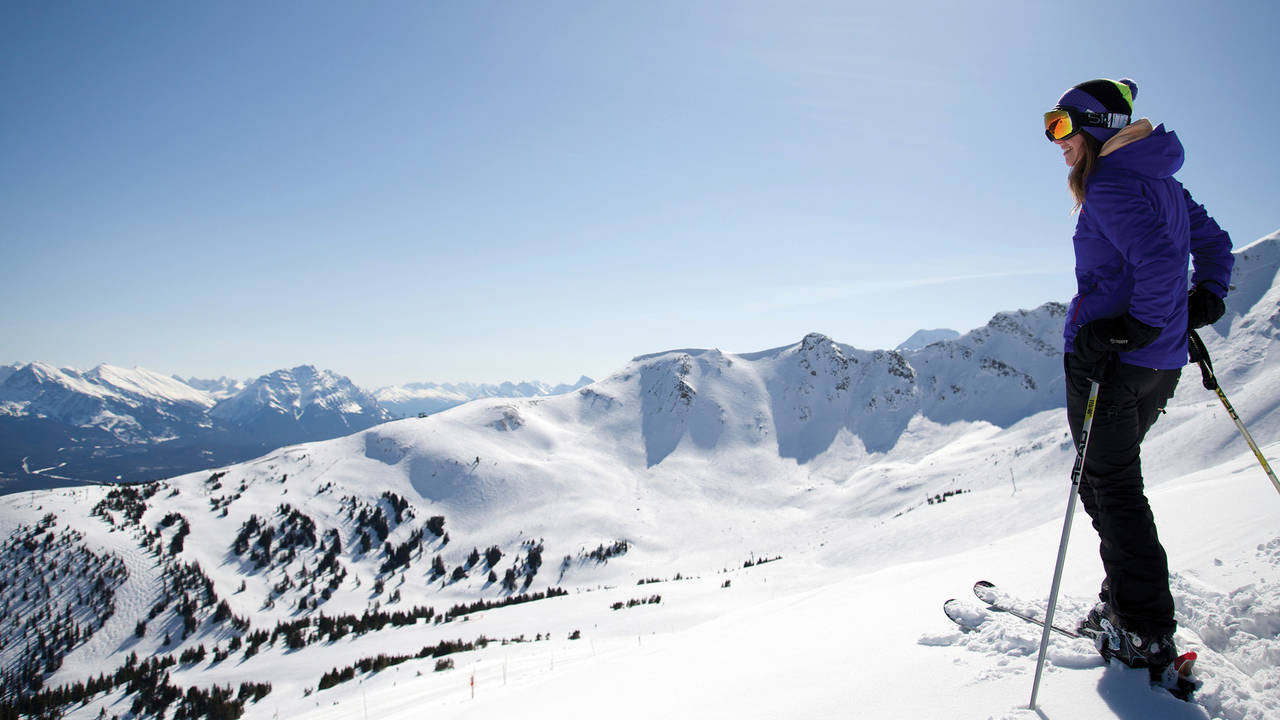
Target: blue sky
x=486, y=191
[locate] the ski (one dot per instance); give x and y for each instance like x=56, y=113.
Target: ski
x=970, y=618
x=967, y=617
x=996, y=600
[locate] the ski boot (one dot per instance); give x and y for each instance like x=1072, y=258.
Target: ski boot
x=1156, y=653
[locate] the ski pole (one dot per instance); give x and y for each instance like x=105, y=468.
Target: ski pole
x=1200, y=355
x=1076, y=473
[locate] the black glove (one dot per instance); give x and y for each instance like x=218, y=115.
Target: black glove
x=1203, y=308
x=1096, y=339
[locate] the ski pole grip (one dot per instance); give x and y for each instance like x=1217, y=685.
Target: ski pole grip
x=1200, y=356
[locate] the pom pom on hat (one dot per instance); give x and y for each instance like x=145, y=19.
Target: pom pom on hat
x=1133, y=89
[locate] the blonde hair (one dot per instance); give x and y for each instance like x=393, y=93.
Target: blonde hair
x=1078, y=178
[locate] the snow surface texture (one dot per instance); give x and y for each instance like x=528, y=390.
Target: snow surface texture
x=705, y=463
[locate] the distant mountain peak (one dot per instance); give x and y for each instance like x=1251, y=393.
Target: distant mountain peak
x=218, y=389
x=429, y=397
x=924, y=338
x=815, y=339
x=323, y=395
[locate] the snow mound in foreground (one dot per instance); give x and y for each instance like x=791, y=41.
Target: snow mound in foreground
x=1236, y=635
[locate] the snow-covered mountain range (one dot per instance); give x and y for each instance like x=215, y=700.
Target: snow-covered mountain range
x=701, y=534
x=61, y=426
x=132, y=405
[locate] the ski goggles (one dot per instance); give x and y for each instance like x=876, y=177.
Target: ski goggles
x=1061, y=123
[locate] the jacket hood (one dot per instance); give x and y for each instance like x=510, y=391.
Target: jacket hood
x=1140, y=148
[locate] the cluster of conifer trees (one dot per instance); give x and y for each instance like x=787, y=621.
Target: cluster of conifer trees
x=42, y=563
x=54, y=594
x=153, y=695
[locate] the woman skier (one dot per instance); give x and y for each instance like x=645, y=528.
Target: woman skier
x=1127, y=328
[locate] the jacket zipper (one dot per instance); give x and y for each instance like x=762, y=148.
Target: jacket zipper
x=1075, y=314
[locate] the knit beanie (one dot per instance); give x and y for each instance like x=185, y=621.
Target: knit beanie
x=1102, y=95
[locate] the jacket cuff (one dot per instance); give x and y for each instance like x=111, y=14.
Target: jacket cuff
x=1214, y=287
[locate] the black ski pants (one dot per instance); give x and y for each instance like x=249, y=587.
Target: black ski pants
x=1130, y=399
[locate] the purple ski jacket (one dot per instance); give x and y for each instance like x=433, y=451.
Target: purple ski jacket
x=1138, y=229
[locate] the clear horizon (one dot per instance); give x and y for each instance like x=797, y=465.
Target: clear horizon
x=401, y=192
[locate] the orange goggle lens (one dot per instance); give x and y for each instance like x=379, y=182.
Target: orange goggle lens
x=1058, y=125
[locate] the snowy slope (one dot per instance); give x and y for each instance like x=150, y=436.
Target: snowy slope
x=876, y=484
